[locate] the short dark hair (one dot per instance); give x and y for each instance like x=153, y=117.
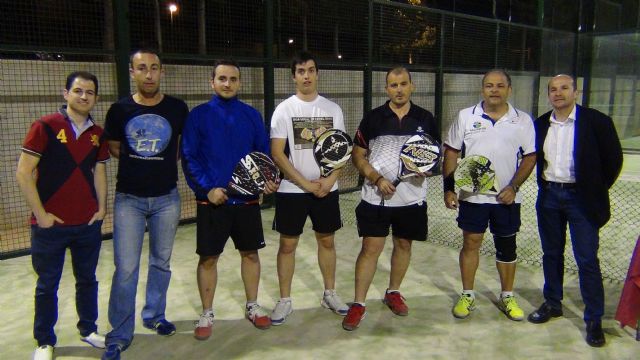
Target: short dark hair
x=143, y=51
x=302, y=57
x=228, y=62
x=82, y=75
x=499, y=71
x=397, y=70
x=573, y=80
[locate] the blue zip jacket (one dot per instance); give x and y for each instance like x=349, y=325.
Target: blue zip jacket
x=216, y=135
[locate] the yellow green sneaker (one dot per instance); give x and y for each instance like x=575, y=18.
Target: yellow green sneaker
x=510, y=307
x=464, y=306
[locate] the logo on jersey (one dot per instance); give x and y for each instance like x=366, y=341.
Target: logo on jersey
x=148, y=134
x=419, y=129
x=95, y=141
x=477, y=125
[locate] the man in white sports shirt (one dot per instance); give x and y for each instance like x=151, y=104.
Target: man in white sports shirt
x=495, y=129
x=378, y=142
x=295, y=124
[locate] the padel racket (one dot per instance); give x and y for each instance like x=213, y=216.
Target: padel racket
x=332, y=149
x=251, y=174
x=475, y=174
x=419, y=154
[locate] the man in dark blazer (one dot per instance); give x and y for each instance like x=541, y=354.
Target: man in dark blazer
x=579, y=159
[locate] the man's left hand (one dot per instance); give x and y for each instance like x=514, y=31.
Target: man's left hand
x=507, y=195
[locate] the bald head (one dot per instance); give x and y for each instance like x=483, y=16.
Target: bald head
x=564, y=77
x=562, y=92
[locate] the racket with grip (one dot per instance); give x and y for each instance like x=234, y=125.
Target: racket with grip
x=332, y=150
x=252, y=173
x=475, y=174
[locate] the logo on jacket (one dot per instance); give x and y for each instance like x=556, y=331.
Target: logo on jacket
x=95, y=141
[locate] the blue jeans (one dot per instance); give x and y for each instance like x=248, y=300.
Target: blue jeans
x=556, y=207
x=131, y=215
x=48, y=248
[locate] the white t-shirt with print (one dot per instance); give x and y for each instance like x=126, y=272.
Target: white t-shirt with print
x=301, y=122
x=503, y=142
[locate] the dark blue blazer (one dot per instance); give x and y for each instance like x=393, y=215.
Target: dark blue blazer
x=597, y=155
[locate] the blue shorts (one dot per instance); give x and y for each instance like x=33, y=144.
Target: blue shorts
x=503, y=220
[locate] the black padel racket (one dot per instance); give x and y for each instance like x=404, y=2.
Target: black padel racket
x=419, y=154
x=475, y=174
x=251, y=174
x=332, y=149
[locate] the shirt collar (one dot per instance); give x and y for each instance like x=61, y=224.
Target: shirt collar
x=88, y=122
x=389, y=113
x=510, y=114
x=222, y=101
x=570, y=119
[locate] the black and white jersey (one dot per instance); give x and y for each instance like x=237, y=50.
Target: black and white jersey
x=383, y=134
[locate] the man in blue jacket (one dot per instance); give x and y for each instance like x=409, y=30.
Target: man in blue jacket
x=216, y=136
x=579, y=159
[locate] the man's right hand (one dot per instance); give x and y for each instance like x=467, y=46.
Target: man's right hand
x=48, y=220
x=385, y=187
x=313, y=187
x=217, y=196
x=450, y=200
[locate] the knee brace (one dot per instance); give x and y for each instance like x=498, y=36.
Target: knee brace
x=505, y=248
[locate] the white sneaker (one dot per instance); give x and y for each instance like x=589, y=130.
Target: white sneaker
x=44, y=352
x=281, y=311
x=94, y=339
x=334, y=303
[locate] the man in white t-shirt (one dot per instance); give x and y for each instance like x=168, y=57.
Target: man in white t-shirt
x=295, y=124
x=495, y=129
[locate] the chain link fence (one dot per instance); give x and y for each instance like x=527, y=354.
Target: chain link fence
x=42, y=41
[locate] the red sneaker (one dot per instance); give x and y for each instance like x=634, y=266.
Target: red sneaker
x=203, y=327
x=355, y=314
x=258, y=317
x=395, y=302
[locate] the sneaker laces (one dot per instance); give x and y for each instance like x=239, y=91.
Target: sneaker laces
x=509, y=302
x=206, y=319
x=467, y=300
x=281, y=308
x=333, y=300
x=254, y=310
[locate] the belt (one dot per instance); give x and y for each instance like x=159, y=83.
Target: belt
x=561, y=185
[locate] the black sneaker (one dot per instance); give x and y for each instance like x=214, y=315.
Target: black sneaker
x=162, y=327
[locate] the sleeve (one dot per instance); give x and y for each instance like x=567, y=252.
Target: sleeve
x=529, y=137
x=113, y=124
x=103, y=150
x=363, y=134
x=338, y=120
x=36, y=140
x=184, y=113
x=455, y=136
x=261, y=139
x=194, y=172
x=279, y=124
x=610, y=150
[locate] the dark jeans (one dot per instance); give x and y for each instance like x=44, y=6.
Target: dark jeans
x=556, y=207
x=48, y=248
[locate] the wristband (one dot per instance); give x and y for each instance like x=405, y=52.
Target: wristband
x=378, y=179
x=449, y=183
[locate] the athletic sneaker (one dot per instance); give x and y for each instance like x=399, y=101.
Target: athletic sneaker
x=355, y=314
x=333, y=302
x=395, y=302
x=464, y=306
x=510, y=307
x=258, y=317
x=203, y=327
x=283, y=309
x=161, y=327
x=94, y=339
x=44, y=352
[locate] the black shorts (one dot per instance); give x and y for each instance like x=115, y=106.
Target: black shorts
x=503, y=220
x=406, y=222
x=292, y=210
x=215, y=224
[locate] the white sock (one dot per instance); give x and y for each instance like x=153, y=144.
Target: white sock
x=287, y=299
x=251, y=303
x=329, y=292
x=392, y=291
x=504, y=294
x=469, y=293
x=208, y=311
x=361, y=303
